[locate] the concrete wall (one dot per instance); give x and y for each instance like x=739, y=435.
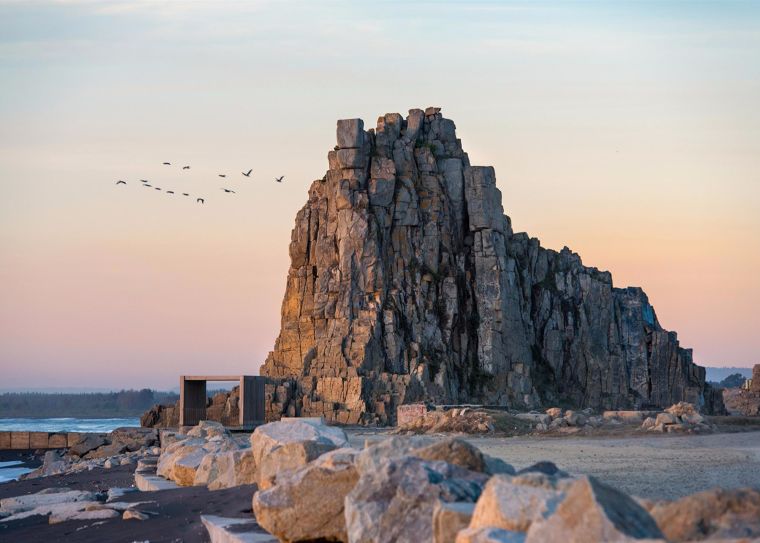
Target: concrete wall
x=38, y=440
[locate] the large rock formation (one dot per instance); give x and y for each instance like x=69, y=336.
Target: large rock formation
x=407, y=283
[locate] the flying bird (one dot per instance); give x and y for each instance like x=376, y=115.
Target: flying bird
x=279, y=179
x=146, y=185
x=228, y=190
x=222, y=175
x=185, y=194
x=167, y=163
x=200, y=200
x=120, y=182
x=185, y=167
x=169, y=192
x=157, y=188
x=143, y=180
x=247, y=174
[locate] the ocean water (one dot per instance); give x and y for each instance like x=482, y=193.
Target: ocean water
x=10, y=471
x=66, y=424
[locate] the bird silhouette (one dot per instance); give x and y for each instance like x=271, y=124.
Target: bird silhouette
x=120, y=182
x=185, y=167
x=157, y=188
x=167, y=163
x=222, y=175
x=185, y=194
x=247, y=174
x=279, y=179
x=143, y=180
x=200, y=200
x=228, y=190
x=146, y=185
x=169, y=192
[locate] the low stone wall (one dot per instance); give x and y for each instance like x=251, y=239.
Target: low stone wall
x=40, y=440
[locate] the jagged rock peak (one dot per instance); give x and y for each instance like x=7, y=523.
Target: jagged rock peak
x=407, y=283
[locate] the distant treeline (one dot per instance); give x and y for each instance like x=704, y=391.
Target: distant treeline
x=126, y=403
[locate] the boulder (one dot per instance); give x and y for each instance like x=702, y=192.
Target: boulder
x=270, y=436
x=665, y=419
x=514, y=503
x=309, y=503
x=53, y=463
x=288, y=458
x=454, y=451
x=226, y=469
x=208, y=429
x=682, y=408
x=449, y=519
x=350, y=133
x=712, y=514
x=180, y=460
x=395, y=499
x=554, y=412
x=135, y=439
x=131, y=514
x=593, y=511
x=649, y=423
x=86, y=443
x=574, y=418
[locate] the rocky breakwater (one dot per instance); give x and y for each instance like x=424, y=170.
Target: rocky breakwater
x=412, y=489
x=407, y=283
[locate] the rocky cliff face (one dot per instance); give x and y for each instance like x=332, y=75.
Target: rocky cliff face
x=407, y=283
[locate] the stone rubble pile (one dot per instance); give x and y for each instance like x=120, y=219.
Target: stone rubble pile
x=123, y=446
x=408, y=284
x=412, y=489
x=679, y=418
x=463, y=420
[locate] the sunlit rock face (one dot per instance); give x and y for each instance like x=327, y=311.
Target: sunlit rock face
x=407, y=283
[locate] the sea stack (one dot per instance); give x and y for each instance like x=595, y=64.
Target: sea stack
x=408, y=284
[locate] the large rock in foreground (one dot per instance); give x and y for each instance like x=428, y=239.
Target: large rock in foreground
x=407, y=283
x=395, y=501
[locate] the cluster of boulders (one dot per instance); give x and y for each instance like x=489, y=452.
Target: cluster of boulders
x=680, y=418
x=123, y=446
x=415, y=489
x=62, y=504
x=463, y=420
x=208, y=455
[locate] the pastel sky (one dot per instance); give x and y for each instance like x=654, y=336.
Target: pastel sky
x=628, y=131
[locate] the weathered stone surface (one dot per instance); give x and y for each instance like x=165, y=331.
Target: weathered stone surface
x=449, y=519
x=234, y=530
x=268, y=437
x=45, y=498
x=407, y=284
x=226, y=470
x=86, y=443
x=489, y=535
x=514, y=503
x=395, y=500
x=309, y=503
x=181, y=460
x=593, y=511
x=454, y=451
x=288, y=458
x=713, y=514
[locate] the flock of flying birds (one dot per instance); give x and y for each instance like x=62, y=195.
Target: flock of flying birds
x=146, y=183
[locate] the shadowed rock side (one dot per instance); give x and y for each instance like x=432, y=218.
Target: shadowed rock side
x=407, y=283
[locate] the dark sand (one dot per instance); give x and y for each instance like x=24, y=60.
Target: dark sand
x=176, y=518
